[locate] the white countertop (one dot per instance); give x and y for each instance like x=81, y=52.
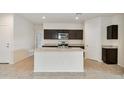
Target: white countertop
x=58, y=49
x=57, y=45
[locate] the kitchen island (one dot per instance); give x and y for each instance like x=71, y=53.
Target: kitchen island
x=58, y=60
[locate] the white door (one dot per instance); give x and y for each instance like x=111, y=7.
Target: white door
x=93, y=39
x=4, y=44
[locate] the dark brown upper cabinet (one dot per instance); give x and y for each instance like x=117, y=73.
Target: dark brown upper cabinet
x=112, y=32
x=76, y=34
x=50, y=34
x=53, y=34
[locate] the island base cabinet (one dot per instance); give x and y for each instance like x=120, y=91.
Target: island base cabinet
x=109, y=56
x=58, y=60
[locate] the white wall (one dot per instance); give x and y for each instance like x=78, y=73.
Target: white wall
x=119, y=19
x=63, y=26
x=23, y=38
x=93, y=39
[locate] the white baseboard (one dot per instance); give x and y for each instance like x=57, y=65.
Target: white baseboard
x=4, y=60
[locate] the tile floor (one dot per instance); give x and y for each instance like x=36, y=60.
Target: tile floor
x=93, y=70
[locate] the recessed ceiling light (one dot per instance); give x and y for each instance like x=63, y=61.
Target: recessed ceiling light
x=76, y=17
x=43, y=17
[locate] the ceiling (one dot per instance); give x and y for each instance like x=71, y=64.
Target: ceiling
x=36, y=18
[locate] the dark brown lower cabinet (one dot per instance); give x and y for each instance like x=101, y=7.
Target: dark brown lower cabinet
x=77, y=47
x=110, y=55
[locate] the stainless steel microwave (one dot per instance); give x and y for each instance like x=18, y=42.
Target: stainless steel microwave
x=63, y=36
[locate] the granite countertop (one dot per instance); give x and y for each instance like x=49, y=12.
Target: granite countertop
x=109, y=46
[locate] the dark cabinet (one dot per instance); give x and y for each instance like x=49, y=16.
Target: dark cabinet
x=53, y=34
x=72, y=34
x=50, y=34
x=109, y=55
x=77, y=47
x=112, y=32
x=75, y=34
x=79, y=34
